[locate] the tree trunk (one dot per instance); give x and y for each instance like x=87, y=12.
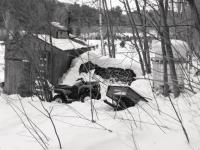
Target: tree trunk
x=165, y=72
x=195, y=14
x=196, y=18
x=107, y=30
x=146, y=45
x=110, y=29
x=142, y=43
x=103, y=52
x=167, y=42
x=130, y=17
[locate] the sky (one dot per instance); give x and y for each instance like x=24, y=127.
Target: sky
x=114, y=3
x=92, y=2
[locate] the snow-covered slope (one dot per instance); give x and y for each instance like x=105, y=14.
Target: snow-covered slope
x=149, y=129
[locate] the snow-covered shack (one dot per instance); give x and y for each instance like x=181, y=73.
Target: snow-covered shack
x=180, y=50
x=58, y=30
x=38, y=56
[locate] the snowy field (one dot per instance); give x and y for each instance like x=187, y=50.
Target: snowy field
x=147, y=126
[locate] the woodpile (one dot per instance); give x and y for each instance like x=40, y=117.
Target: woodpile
x=111, y=73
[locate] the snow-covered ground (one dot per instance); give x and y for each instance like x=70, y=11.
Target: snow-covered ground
x=147, y=126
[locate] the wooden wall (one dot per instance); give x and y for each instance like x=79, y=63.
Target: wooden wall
x=17, y=77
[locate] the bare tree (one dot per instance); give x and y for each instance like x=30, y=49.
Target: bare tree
x=134, y=30
x=110, y=33
x=144, y=46
x=103, y=52
x=163, y=12
x=195, y=13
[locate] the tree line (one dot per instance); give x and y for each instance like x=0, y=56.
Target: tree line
x=37, y=14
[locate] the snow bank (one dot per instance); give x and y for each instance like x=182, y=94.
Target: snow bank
x=150, y=129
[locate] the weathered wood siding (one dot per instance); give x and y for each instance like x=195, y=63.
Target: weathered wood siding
x=17, y=77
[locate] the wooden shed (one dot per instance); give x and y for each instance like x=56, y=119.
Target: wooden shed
x=180, y=50
x=38, y=56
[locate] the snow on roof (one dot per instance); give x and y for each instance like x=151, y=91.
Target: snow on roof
x=150, y=33
x=179, y=48
x=63, y=44
x=124, y=34
x=70, y=77
x=58, y=25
